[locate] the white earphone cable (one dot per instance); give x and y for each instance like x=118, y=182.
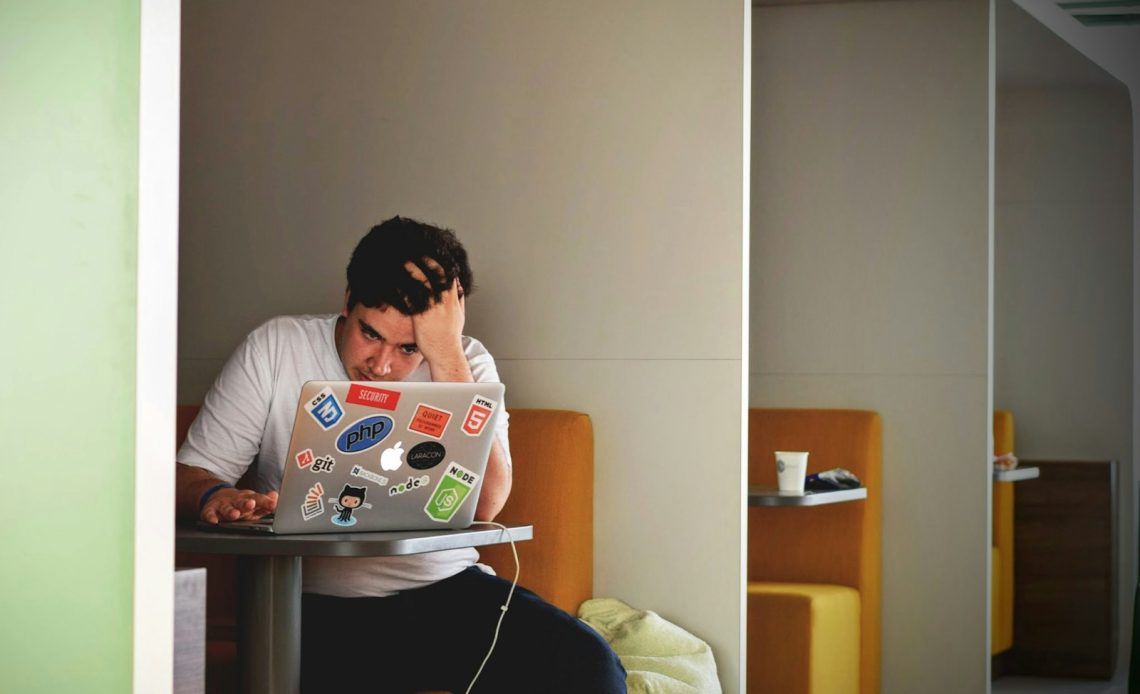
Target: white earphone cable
x=506, y=605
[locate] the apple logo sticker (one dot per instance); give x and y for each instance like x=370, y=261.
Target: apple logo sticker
x=390, y=459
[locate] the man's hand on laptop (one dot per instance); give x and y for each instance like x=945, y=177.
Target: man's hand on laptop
x=439, y=329
x=238, y=504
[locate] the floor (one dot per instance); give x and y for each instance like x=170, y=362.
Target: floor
x=1043, y=685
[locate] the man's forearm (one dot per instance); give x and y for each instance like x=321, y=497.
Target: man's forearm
x=190, y=483
x=496, y=485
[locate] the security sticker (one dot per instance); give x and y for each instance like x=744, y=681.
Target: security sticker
x=380, y=398
x=391, y=459
x=426, y=455
x=325, y=409
x=305, y=458
x=360, y=472
x=429, y=421
x=350, y=499
x=478, y=415
x=412, y=483
x=325, y=463
x=364, y=434
x=453, y=489
x=314, y=505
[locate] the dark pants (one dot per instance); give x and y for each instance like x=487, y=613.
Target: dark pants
x=434, y=638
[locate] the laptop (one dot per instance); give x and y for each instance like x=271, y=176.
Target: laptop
x=368, y=456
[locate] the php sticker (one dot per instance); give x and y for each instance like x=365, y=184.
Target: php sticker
x=429, y=421
x=305, y=458
x=426, y=455
x=453, y=489
x=325, y=409
x=379, y=398
x=314, y=503
x=360, y=472
x=478, y=415
x=364, y=434
x=412, y=483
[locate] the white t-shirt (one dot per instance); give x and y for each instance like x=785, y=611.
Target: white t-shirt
x=248, y=415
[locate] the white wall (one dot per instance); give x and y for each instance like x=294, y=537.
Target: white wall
x=869, y=289
x=589, y=155
x=1063, y=284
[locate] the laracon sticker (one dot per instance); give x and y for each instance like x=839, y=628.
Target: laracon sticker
x=364, y=434
x=391, y=459
x=453, y=489
x=429, y=421
x=426, y=455
x=325, y=409
x=325, y=463
x=379, y=398
x=314, y=503
x=350, y=499
x=412, y=483
x=478, y=415
x=305, y=458
x=360, y=472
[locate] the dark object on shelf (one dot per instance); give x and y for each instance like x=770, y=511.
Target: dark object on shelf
x=830, y=480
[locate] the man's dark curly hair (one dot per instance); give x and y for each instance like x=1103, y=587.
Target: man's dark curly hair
x=376, y=273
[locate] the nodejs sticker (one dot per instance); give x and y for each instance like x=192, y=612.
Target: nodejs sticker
x=453, y=489
x=379, y=398
x=360, y=472
x=364, y=434
x=325, y=409
x=305, y=458
x=478, y=415
x=412, y=483
x=325, y=463
x=426, y=455
x=390, y=459
x=314, y=503
x=429, y=421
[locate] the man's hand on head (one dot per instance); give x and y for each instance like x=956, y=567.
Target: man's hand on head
x=439, y=329
x=237, y=504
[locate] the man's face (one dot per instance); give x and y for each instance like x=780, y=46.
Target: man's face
x=376, y=344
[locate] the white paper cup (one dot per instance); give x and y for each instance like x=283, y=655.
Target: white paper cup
x=791, y=469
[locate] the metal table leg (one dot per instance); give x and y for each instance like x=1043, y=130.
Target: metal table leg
x=269, y=646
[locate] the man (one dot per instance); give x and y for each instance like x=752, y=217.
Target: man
x=388, y=624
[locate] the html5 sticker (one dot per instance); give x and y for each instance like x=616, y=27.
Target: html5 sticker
x=379, y=398
x=478, y=415
x=429, y=421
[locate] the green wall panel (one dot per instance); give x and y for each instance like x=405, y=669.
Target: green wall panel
x=68, y=238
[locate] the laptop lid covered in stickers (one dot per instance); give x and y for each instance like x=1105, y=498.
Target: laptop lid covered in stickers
x=368, y=456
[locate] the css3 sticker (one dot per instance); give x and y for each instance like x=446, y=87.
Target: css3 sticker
x=364, y=434
x=325, y=409
x=453, y=489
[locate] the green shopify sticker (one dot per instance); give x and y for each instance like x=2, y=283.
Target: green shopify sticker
x=452, y=490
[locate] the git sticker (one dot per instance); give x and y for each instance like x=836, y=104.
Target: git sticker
x=325, y=409
x=314, y=505
x=453, y=489
x=305, y=458
x=429, y=421
x=478, y=415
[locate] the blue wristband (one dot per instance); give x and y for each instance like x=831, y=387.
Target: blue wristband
x=210, y=492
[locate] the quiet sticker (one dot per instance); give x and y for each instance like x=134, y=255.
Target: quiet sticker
x=325, y=409
x=372, y=397
x=429, y=421
x=453, y=489
x=478, y=415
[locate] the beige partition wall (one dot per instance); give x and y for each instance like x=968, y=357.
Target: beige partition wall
x=869, y=289
x=589, y=155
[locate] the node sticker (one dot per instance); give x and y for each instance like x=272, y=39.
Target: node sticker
x=314, y=505
x=390, y=459
x=426, y=455
x=325, y=409
x=379, y=398
x=360, y=472
x=478, y=415
x=453, y=489
x=412, y=483
x=324, y=464
x=305, y=458
x=364, y=434
x=429, y=421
